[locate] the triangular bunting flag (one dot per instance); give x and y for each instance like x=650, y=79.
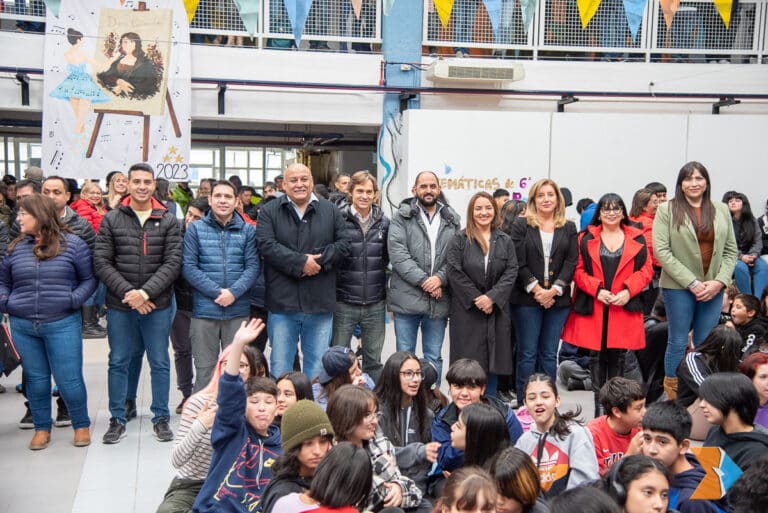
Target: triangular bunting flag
x=387, y=6
x=298, y=10
x=493, y=8
x=249, y=13
x=53, y=6
x=357, y=5
x=444, y=8
x=668, y=9
x=725, y=8
x=721, y=473
x=587, y=10
x=634, y=11
x=191, y=7
x=527, y=8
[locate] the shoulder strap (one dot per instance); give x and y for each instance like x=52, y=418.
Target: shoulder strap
x=584, y=253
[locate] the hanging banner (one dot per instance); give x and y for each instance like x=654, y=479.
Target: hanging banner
x=527, y=8
x=444, y=8
x=634, y=10
x=191, y=7
x=668, y=9
x=725, y=8
x=52, y=6
x=298, y=11
x=249, y=13
x=387, y=6
x=116, y=89
x=493, y=8
x=587, y=10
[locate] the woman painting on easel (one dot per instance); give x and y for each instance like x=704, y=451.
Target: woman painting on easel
x=78, y=88
x=131, y=75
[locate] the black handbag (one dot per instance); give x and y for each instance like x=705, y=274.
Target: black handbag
x=583, y=303
x=8, y=353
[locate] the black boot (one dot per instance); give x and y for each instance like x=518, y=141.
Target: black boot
x=91, y=327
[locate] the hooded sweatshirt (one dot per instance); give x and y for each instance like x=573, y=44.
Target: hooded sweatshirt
x=684, y=484
x=562, y=463
x=743, y=448
x=242, y=458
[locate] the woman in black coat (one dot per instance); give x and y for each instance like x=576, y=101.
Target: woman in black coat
x=482, y=268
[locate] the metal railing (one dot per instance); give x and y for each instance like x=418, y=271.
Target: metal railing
x=697, y=33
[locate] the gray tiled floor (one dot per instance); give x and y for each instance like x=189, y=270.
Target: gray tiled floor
x=130, y=477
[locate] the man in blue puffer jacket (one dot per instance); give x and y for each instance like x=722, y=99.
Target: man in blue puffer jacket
x=221, y=263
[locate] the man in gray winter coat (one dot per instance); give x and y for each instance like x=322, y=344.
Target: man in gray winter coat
x=419, y=235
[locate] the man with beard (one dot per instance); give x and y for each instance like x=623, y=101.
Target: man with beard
x=419, y=235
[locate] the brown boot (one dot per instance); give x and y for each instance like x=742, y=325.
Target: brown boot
x=40, y=440
x=670, y=388
x=82, y=437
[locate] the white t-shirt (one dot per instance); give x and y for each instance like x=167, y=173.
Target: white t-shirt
x=291, y=503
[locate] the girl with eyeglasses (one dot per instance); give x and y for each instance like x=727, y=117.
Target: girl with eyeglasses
x=354, y=415
x=614, y=268
x=405, y=417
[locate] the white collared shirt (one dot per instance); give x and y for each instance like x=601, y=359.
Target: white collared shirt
x=296, y=208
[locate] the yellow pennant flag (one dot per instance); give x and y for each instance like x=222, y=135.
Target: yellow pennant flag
x=190, y=6
x=669, y=8
x=444, y=8
x=587, y=10
x=357, y=5
x=725, y=8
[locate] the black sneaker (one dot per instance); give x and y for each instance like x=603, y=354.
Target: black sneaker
x=115, y=433
x=62, y=416
x=162, y=431
x=130, y=409
x=180, y=407
x=26, y=421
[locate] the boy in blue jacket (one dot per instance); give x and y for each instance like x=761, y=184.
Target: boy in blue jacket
x=245, y=443
x=666, y=432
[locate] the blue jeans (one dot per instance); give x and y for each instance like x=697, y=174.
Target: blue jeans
x=684, y=313
x=370, y=318
x=130, y=334
x=758, y=274
x=537, y=331
x=284, y=330
x=53, y=348
x=98, y=297
x=432, y=335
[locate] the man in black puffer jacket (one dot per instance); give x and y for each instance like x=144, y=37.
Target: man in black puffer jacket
x=361, y=287
x=138, y=257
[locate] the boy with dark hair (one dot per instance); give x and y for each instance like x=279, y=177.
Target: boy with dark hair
x=245, y=442
x=617, y=433
x=467, y=381
x=666, y=432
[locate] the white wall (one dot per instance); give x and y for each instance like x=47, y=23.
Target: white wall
x=590, y=153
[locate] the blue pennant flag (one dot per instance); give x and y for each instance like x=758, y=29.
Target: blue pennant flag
x=527, y=8
x=634, y=10
x=298, y=11
x=493, y=8
x=249, y=13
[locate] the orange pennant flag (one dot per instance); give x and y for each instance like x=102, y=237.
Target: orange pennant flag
x=725, y=8
x=444, y=8
x=357, y=5
x=587, y=10
x=669, y=8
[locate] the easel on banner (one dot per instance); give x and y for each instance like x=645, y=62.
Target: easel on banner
x=145, y=138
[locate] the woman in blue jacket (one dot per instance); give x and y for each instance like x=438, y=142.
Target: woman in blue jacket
x=44, y=280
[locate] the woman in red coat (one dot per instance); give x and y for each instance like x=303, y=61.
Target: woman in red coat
x=614, y=267
x=90, y=206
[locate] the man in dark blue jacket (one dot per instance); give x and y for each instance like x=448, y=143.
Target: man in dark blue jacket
x=138, y=257
x=361, y=289
x=302, y=239
x=221, y=263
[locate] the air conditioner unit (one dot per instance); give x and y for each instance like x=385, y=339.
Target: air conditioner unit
x=465, y=71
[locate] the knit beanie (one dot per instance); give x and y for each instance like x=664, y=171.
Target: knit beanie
x=302, y=421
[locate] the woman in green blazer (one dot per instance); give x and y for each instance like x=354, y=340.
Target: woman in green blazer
x=694, y=242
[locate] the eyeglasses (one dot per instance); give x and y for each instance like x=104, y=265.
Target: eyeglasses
x=372, y=417
x=611, y=210
x=410, y=375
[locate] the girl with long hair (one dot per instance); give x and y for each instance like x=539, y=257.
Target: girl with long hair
x=694, y=242
x=547, y=254
x=482, y=268
x=467, y=490
x=561, y=447
x=638, y=484
x=292, y=386
x=518, y=483
x=750, y=268
x=406, y=419
x=45, y=278
x=481, y=432
x=755, y=367
x=613, y=270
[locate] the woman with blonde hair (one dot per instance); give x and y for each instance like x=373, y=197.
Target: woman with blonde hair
x=482, y=269
x=117, y=187
x=547, y=254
